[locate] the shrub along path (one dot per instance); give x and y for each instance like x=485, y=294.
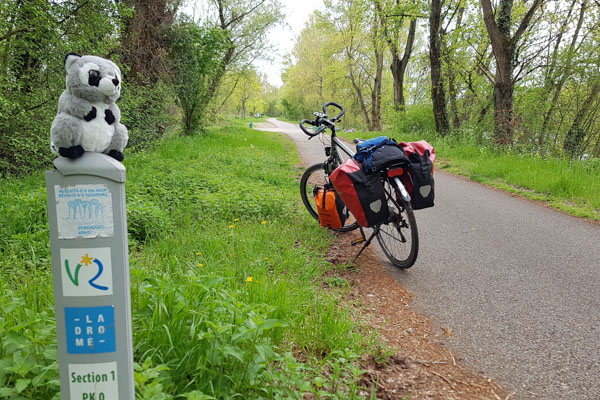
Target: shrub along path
x=513, y=285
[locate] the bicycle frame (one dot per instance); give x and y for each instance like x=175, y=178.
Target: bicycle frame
x=341, y=145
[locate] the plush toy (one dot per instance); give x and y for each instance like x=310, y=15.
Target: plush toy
x=88, y=118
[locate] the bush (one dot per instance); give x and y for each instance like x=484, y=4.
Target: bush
x=417, y=118
x=144, y=111
x=195, y=55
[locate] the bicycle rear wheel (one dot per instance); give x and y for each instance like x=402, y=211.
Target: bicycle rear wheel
x=399, y=238
x=315, y=176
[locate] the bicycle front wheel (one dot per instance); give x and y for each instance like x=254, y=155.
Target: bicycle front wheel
x=315, y=176
x=399, y=238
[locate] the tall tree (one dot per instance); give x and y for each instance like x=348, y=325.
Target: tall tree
x=449, y=55
x=376, y=120
x=393, y=15
x=576, y=134
x=145, y=46
x=555, y=81
x=438, y=93
x=195, y=55
x=245, y=24
x=360, y=36
x=504, y=45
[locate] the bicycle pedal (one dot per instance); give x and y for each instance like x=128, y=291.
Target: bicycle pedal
x=357, y=241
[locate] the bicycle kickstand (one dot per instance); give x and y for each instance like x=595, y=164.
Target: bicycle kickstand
x=364, y=239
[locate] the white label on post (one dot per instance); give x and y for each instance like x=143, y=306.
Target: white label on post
x=84, y=211
x=93, y=381
x=86, y=272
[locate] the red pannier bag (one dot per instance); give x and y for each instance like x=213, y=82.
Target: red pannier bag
x=419, y=182
x=362, y=194
x=330, y=207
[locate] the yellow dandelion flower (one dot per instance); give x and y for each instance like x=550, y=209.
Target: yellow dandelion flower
x=263, y=222
x=201, y=265
x=232, y=226
x=249, y=279
x=236, y=220
x=198, y=254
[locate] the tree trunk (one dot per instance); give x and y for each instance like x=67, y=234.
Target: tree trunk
x=503, y=46
x=218, y=77
x=453, y=102
x=565, y=74
x=392, y=26
x=144, y=45
x=596, y=151
x=503, y=87
x=438, y=94
x=376, y=123
x=399, y=102
x=359, y=94
x=357, y=89
x=503, y=101
x=399, y=65
x=576, y=135
x=452, y=91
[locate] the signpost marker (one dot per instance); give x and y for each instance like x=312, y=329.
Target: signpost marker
x=90, y=269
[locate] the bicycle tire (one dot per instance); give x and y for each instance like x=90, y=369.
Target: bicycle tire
x=315, y=176
x=401, y=227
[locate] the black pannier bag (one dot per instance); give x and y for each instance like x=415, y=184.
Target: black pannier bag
x=362, y=193
x=422, y=186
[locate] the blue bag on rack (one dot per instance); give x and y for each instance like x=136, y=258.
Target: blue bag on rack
x=378, y=153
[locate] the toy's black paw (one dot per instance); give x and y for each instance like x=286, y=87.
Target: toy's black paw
x=91, y=115
x=109, y=117
x=71, y=152
x=117, y=155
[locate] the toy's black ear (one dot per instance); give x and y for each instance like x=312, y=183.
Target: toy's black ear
x=70, y=58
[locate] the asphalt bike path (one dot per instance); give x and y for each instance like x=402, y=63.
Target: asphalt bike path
x=517, y=284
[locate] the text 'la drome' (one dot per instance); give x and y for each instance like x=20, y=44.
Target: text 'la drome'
x=89, y=330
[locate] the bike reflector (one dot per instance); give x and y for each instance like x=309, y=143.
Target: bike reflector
x=363, y=194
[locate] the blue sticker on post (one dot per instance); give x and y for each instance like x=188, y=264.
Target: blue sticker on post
x=90, y=330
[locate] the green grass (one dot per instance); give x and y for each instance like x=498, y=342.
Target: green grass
x=571, y=186
x=226, y=279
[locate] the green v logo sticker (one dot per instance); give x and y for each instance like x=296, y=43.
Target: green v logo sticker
x=74, y=279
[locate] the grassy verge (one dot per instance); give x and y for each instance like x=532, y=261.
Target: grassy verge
x=570, y=186
x=226, y=272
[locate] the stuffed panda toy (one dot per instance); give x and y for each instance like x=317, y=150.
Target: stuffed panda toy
x=88, y=118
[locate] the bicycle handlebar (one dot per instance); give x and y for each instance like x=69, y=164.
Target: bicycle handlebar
x=321, y=120
x=334, y=104
x=313, y=123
